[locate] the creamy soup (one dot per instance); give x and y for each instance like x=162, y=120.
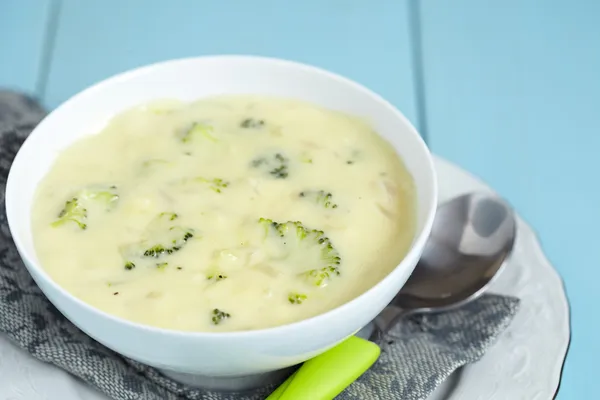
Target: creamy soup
x=229, y=213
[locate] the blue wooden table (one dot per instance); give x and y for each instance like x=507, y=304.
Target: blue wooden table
x=508, y=89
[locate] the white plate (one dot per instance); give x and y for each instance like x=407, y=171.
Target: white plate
x=525, y=363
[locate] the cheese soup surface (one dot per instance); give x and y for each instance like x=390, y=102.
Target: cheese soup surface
x=229, y=213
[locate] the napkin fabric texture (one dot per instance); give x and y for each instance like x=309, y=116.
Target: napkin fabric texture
x=417, y=355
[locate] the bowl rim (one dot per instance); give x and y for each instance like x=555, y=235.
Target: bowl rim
x=418, y=242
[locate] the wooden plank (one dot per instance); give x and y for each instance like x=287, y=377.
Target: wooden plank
x=366, y=41
x=511, y=92
x=23, y=32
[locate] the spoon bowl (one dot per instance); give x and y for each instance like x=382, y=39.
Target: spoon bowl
x=471, y=238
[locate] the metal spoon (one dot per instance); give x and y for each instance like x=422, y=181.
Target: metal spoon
x=472, y=236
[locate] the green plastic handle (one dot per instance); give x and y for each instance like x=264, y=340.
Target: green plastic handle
x=328, y=374
x=276, y=395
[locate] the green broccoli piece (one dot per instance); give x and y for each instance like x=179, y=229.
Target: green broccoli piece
x=296, y=298
x=216, y=277
x=281, y=171
x=215, y=184
x=76, y=209
x=295, y=237
x=156, y=251
x=320, y=277
x=72, y=211
x=169, y=216
x=198, y=129
x=320, y=197
x=108, y=196
x=251, y=123
x=162, y=265
x=276, y=166
x=162, y=237
x=219, y=316
x=176, y=238
x=306, y=158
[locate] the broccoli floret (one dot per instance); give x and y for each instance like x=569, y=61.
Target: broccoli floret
x=252, y=123
x=306, y=158
x=162, y=237
x=215, y=184
x=76, y=209
x=156, y=251
x=219, y=316
x=216, y=277
x=108, y=195
x=72, y=211
x=321, y=276
x=276, y=166
x=177, y=237
x=162, y=265
x=198, y=129
x=296, y=298
x=170, y=238
x=295, y=237
x=282, y=170
x=320, y=197
x=168, y=216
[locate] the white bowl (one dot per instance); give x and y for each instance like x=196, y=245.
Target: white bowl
x=216, y=354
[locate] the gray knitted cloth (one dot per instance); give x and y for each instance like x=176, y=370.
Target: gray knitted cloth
x=416, y=356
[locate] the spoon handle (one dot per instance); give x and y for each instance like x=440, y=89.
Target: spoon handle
x=386, y=320
x=328, y=374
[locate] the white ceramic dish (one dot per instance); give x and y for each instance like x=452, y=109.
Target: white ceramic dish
x=216, y=354
x=538, y=336
x=526, y=361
